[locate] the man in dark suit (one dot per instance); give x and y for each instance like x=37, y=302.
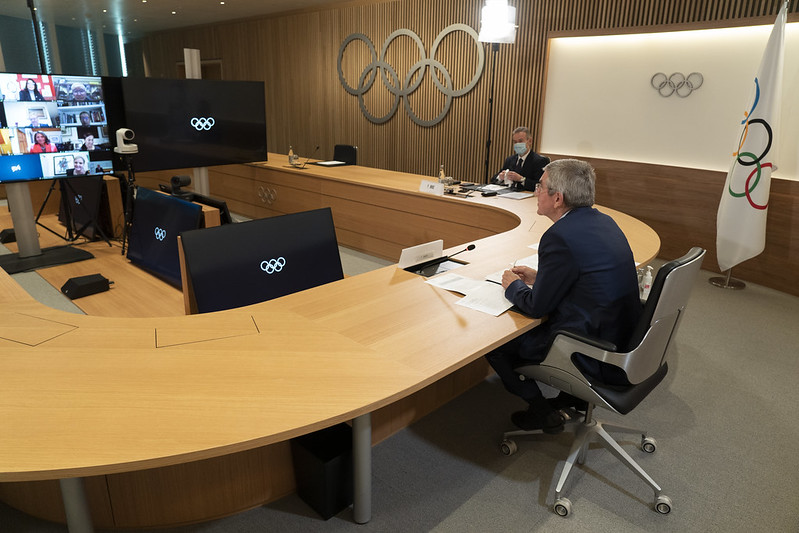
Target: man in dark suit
x=523, y=169
x=586, y=281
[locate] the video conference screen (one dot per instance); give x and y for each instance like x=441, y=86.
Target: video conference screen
x=52, y=126
x=194, y=123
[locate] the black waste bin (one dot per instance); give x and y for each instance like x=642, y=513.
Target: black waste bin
x=323, y=469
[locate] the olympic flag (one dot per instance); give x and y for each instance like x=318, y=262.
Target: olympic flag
x=741, y=219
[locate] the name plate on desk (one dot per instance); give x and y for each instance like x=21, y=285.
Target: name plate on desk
x=432, y=187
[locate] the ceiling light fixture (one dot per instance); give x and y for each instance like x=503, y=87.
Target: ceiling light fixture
x=498, y=22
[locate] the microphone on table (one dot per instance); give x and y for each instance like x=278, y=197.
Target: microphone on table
x=309, y=157
x=467, y=249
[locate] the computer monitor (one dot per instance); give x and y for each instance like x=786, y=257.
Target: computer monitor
x=158, y=219
x=86, y=209
x=180, y=123
x=224, y=212
x=52, y=126
x=249, y=262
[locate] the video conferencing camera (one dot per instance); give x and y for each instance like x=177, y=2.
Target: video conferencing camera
x=124, y=146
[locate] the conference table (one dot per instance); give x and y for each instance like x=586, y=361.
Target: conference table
x=87, y=396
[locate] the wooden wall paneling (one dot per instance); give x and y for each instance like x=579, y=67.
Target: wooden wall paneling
x=306, y=104
x=681, y=207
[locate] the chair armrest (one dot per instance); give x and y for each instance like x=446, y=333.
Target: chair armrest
x=598, y=343
x=568, y=342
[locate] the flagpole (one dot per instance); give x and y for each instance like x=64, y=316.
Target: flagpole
x=727, y=282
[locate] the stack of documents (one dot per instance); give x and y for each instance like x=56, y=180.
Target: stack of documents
x=486, y=295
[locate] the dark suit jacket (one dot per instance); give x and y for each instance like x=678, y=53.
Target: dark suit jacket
x=532, y=170
x=586, y=282
x=24, y=96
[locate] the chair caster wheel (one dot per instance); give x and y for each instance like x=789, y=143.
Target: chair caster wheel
x=663, y=504
x=507, y=447
x=562, y=507
x=649, y=445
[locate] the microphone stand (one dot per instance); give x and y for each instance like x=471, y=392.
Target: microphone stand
x=129, y=195
x=309, y=157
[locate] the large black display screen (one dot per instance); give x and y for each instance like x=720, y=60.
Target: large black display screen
x=52, y=126
x=240, y=264
x=194, y=123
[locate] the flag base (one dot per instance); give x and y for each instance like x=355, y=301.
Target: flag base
x=727, y=282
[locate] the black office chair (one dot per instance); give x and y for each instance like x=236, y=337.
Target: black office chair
x=644, y=363
x=346, y=153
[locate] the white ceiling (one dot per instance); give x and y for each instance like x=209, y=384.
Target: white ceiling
x=133, y=18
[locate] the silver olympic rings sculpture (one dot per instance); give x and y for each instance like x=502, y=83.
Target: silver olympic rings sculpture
x=676, y=83
x=404, y=88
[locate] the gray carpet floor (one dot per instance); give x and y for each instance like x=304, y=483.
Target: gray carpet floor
x=724, y=456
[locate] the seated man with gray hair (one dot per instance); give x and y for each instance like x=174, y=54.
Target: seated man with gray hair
x=586, y=282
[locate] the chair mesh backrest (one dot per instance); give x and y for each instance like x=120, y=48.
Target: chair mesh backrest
x=670, y=291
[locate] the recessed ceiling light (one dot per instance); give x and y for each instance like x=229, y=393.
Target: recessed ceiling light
x=174, y=12
x=105, y=11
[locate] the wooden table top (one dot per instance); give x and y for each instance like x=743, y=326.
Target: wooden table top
x=88, y=395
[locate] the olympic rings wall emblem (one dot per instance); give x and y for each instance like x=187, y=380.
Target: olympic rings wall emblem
x=160, y=234
x=676, y=83
x=202, y=123
x=273, y=265
x=404, y=88
x=78, y=199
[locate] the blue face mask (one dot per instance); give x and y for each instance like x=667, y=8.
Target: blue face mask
x=520, y=148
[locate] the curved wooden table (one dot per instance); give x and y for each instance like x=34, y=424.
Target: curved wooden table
x=88, y=395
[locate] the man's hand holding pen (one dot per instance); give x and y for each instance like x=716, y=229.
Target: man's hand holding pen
x=524, y=273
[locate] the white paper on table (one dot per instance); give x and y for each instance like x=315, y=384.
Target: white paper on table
x=530, y=261
x=489, y=298
x=517, y=195
x=455, y=283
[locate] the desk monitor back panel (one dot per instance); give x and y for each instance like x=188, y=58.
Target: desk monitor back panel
x=158, y=219
x=249, y=262
x=88, y=207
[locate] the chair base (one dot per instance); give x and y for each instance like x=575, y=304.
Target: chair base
x=586, y=430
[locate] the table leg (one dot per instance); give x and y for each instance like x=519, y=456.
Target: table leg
x=362, y=468
x=79, y=519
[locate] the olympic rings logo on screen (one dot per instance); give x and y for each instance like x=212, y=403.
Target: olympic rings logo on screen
x=273, y=265
x=403, y=89
x=676, y=83
x=160, y=234
x=202, y=123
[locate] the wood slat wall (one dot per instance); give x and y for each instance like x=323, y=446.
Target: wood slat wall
x=295, y=55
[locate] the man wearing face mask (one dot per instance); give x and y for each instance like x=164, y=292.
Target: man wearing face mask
x=524, y=168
